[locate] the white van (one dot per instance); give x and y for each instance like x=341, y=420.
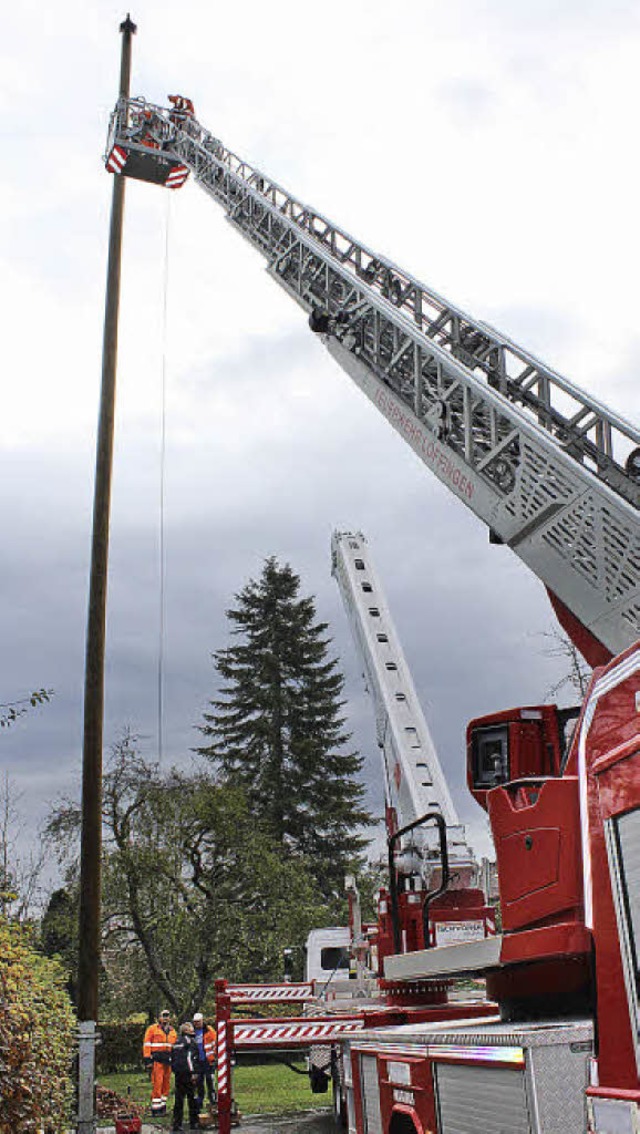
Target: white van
x=327, y=954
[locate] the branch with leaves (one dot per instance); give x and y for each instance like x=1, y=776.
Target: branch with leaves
x=10, y=711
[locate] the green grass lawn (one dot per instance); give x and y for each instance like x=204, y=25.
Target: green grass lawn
x=268, y=1089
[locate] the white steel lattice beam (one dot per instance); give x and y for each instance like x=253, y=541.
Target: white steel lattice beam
x=527, y=450
x=413, y=778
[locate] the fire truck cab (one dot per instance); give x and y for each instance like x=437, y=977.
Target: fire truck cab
x=565, y=1059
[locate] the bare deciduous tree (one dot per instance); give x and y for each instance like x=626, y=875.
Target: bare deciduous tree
x=577, y=673
x=19, y=873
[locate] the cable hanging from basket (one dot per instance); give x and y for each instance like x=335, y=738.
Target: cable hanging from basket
x=161, y=487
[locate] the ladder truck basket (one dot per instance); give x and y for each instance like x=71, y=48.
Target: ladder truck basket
x=137, y=145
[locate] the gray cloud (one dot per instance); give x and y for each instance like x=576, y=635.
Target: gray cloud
x=434, y=144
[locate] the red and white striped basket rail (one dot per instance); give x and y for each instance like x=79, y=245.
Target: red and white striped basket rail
x=299, y=993
x=252, y=1034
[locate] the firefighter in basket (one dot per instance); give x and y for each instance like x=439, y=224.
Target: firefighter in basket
x=182, y=109
x=159, y=1039
x=140, y=130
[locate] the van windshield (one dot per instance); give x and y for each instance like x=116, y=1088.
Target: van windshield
x=334, y=957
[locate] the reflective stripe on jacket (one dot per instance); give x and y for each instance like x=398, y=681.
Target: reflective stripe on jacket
x=184, y=1057
x=158, y=1042
x=209, y=1039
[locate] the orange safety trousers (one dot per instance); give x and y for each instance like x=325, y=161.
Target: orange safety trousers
x=160, y=1083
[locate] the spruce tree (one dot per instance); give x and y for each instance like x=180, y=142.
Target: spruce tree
x=277, y=730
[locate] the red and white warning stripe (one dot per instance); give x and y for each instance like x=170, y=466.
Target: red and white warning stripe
x=117, y=160
x=293, y=1034
x=223, y=1060
x=270, y=993
x=177, y=177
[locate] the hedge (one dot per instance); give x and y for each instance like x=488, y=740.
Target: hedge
x=37, y=1037
x=120, y=1047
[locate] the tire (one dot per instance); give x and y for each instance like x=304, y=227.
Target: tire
x=318, y=1081
x=338, y=1101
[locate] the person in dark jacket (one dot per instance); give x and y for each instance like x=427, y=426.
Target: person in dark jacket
x=184, y=1064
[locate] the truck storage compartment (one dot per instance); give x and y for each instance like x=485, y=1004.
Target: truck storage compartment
x=487, y=1099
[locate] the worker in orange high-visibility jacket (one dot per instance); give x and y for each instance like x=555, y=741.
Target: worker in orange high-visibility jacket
x=206, y=1041
x=159, y=1038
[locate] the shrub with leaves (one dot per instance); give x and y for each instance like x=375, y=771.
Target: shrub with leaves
x=37, y=1037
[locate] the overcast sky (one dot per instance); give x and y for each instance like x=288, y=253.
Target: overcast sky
x=488, y=147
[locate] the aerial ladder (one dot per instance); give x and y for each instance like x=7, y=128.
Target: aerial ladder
x=552, y=472
x=415, y=789
x=555, y=476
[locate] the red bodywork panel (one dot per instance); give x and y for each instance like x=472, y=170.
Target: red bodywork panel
x=536, y=831
x=457, y=913
x=410, y=914
x=454, y=908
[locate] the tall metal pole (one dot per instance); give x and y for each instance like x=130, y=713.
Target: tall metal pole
x=91, y=842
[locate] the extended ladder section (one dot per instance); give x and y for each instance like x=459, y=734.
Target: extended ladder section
x=413, y=778
x=551, y=471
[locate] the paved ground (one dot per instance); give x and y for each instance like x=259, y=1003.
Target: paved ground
x=318, y=1122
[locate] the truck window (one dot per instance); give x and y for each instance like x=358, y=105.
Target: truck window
x=490, y=754
x=623, y=844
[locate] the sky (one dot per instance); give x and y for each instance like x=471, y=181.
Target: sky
x=489, y=148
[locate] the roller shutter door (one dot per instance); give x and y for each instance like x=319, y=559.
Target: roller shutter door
x=481, y=1100
x=370, y=1094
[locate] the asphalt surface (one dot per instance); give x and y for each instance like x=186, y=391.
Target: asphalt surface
x=319, y=1123
x=315, y=1122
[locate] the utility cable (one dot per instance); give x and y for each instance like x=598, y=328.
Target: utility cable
x=161, y=501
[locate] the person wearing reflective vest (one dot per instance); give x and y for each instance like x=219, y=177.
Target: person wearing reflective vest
x=183, y=108
x=206, y=1040
x=159, y=1039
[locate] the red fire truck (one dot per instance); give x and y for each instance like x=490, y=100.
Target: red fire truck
x=555, y=476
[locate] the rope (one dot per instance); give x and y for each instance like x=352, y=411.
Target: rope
x=161, y=503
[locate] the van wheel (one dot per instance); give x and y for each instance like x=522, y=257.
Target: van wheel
x=318, y=1080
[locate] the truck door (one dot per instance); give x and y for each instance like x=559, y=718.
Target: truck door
x=610, y=771
x=623, y=840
